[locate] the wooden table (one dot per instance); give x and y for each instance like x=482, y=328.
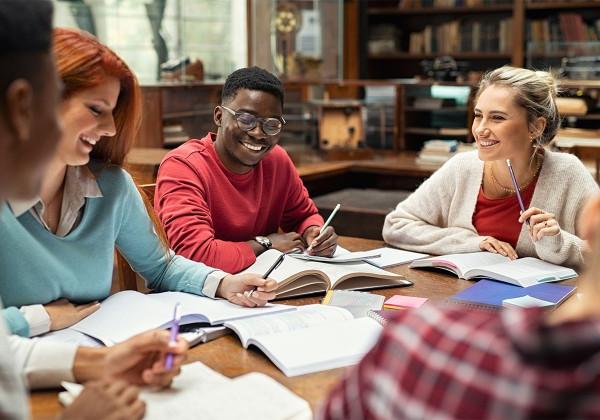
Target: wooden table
x=228, y=357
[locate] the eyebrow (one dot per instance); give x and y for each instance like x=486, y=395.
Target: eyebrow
x=493, y=111
x=248, y=111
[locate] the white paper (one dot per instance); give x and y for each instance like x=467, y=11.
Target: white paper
x=526, y=302
x=390, y=257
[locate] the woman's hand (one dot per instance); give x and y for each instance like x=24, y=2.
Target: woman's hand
x=492, y=244
x=540, y=223
x=63, y=313
x=232, y=288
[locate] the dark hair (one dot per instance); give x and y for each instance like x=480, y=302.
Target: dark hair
x=25, y=35
x=251, y=78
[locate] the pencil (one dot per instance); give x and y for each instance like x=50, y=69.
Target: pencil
x=516, y=185
x=327, y=222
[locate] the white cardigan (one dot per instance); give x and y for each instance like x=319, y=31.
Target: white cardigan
x=438, y=217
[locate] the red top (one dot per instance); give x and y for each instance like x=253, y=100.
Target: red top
x=499, y=217
x=467, y=364
x=210, y=212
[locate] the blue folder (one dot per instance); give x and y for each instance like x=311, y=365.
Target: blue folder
x=491, y=293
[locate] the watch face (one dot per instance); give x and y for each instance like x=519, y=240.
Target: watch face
x=264, y=241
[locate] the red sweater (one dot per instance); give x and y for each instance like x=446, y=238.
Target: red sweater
x=210, y=212
x=499, y=217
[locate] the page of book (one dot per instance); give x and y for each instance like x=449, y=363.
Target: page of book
x=340, y=258
x=304, y=317
x=390, y=257
x=128, y=313
x=298, y=277
x=321, y=347
x=460, y=264
x=202, y=393
x=524, y=272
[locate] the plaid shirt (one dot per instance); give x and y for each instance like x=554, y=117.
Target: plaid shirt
x=438, y=363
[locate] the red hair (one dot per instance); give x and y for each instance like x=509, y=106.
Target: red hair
x=83, y=62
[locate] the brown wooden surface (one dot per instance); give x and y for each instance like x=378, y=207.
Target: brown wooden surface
x=228, y=357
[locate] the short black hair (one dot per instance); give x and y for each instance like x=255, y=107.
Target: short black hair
x=25, y=36
x=251, y=78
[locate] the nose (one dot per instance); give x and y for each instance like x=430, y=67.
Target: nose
x=107, y=127
x=481, y=129
x=257, y=132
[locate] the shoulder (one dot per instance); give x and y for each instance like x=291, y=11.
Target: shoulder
x=566, y=167
x=562, y=161
x=190, y=149
x=112, y=179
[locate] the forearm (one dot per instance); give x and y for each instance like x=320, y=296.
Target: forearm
x=89, y=363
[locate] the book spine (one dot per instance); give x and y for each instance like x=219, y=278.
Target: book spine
x=451, y=302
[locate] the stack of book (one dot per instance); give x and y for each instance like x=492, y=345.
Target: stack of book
x=439, y=151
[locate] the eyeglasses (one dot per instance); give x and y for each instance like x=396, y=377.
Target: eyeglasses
x=248, y=122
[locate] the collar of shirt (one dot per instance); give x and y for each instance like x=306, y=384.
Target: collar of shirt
x=80, y=183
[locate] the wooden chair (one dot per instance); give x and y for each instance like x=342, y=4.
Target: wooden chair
x=126, y=278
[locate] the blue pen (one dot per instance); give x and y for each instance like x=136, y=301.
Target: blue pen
x=514, y=180
x=174, y=332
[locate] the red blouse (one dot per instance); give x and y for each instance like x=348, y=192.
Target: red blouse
x=499, y=217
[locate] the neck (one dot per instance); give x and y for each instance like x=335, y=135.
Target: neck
x=53, y=180
x=523, y=167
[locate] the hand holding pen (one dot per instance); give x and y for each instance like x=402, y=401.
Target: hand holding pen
x=539, y=222
x=322, y=241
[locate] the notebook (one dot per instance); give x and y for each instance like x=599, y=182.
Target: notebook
x=297, y=277
x=390, y=257
x=311, y=339
x=522, y=272
x=128, y=313
x=383, y=316
x=358, y=303
x=491, y=294
x=201, y=393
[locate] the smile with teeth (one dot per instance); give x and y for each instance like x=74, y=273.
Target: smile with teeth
x=253, y=147
x=488, y=143
x=89, y=140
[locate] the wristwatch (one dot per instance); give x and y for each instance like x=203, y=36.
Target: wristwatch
x=264, y=241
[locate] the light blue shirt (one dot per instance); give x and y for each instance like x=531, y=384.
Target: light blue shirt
x=38, y=267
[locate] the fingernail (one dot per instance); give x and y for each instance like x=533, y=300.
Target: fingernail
x=260, y=289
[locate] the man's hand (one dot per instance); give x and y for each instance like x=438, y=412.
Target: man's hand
x=232, y=288
x=323, y=244
x=285, y=242
x=141, y=359
x=63, y=313
x=106, y=399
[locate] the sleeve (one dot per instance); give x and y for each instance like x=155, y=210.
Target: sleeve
x=419, y=222
x=567, y=248
x=37, y=318
x=185, y=214
x=140, y=245
x=300, y=211
x=15, y=321
x=43, y=363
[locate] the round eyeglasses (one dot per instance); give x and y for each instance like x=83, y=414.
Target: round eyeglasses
x=248, y=122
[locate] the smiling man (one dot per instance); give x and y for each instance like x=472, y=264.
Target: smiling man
x=222, y=199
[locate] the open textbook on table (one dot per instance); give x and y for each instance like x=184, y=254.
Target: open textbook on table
x=128, y=313
x=310, y=339
x=474, y=265
x=299, y=277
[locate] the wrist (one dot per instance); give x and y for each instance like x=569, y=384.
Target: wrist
x=221, y=287
x=89, y=364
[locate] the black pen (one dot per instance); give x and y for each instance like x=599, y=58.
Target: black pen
x=276, y=264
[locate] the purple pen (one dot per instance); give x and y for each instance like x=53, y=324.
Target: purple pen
x=514, y=180
x=174, y=332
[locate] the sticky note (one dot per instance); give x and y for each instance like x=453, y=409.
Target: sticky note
x=401, y=302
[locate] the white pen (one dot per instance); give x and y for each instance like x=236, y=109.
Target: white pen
x=327, y=222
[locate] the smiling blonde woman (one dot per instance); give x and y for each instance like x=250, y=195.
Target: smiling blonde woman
x=470, y=204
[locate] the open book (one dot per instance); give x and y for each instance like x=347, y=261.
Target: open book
x=201, y=393
x=521, y=272
x=310, y=339
x=298, y=277
x=128, y=313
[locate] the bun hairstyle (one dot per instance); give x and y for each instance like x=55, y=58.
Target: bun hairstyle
x=535, y=91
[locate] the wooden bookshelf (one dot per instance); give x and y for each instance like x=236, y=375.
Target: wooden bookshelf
x=564, y=5
x=437, y=10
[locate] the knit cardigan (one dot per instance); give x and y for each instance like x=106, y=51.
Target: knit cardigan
x=438, y=217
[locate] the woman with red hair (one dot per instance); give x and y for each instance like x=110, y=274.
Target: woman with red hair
x=89, y=204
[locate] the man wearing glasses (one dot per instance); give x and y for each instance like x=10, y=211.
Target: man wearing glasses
x=223, y=198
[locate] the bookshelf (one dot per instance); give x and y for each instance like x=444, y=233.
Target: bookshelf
x=393, y=40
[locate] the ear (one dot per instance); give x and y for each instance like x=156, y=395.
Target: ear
x=217, y=115
x=537, y=127
x=19, y=109
x=589, y=219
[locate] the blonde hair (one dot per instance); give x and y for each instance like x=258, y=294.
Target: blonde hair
x=535, y=91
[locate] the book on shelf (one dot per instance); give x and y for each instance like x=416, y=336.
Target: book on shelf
x=311, y=339
x=439, y=151
x=523, y=272
x=199, y=392
x=155, y=310
x=298, y=277
x=492, y=294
